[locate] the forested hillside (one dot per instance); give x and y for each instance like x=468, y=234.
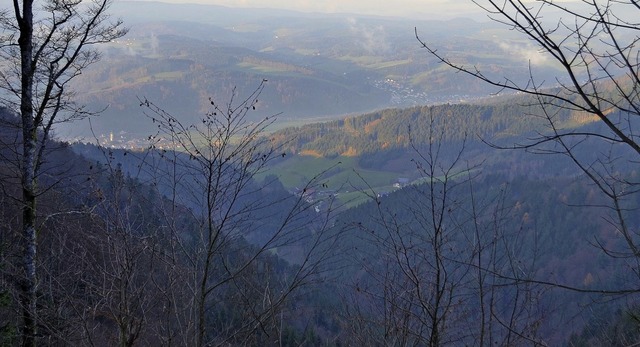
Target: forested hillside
x=121, y=256
x=505, y=118
x=526, y=212
x=529, y=232
x=523, y=215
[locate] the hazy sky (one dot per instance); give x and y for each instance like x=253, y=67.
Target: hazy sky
x=413, y=8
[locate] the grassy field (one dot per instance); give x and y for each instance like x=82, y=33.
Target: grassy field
x=299, y=170
x=342, y=175
x=363, y=60
x=264, y=68
x=390, y=64
x=169, y=75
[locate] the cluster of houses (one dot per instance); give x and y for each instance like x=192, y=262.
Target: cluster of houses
x=318, y=197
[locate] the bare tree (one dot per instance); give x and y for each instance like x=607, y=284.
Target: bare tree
x=596, y=45
x=43, y=47
x=433, y=263
x=233, y=254
x=125, y=261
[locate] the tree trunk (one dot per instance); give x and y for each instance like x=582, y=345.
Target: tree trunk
x=28, y=283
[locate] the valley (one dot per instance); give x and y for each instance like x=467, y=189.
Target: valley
x=318, y=67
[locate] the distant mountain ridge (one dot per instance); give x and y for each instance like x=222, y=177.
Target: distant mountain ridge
x=318, y=65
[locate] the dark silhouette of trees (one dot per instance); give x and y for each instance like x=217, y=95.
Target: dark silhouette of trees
x=43, y=47
x=432, y=259
x=251, y=246
x=596, y=46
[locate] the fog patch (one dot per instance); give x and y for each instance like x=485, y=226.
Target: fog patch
x=155, y=44
x=371, y=38
x=525, y=51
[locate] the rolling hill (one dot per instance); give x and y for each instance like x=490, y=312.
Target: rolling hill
x=318, y=66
